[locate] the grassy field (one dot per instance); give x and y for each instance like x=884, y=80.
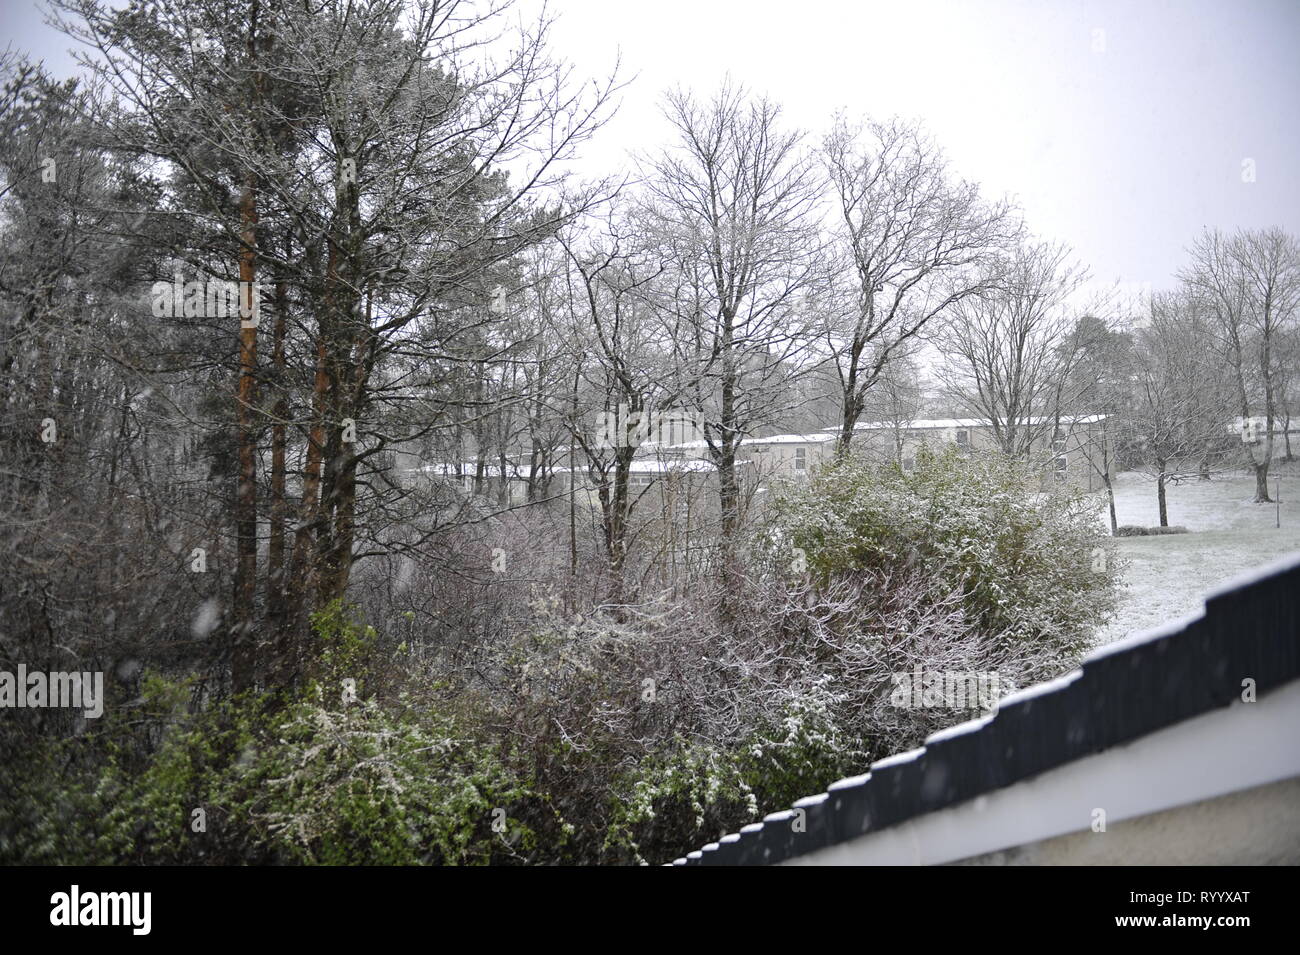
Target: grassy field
x=1168, y=576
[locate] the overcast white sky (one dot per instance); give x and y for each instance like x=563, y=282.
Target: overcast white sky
x=1123, y=143
x=1120, y=127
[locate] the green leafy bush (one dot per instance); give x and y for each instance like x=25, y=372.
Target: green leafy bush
x=687, y=795
x=1030, y=566
x=311, y=784
x=256, y=780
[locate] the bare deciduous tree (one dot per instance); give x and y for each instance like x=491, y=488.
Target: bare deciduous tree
x=1002, y=345
x=623, y=366
x=734, y=202
x=911, y=243
x=1251, y=281
x=1174, y=415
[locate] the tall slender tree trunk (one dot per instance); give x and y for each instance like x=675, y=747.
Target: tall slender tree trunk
x=345, y=529
x=243, y=652
x=850, y=408
x=480, y=431
x=1110, y=497
x=725, y=461
x=1261, y=467
x=617, y=525
x=1270, y=413
x=363, y=358
x=573, y=501
x=1160, y=494
x=330, y=486
x=302, y=571
x=283, y=668
x=279, y=505
x=503, y=466
x=1110, y=500
x=728, y=486
x=346, y=340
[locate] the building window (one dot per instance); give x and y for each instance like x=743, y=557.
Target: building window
x=800, y=459
x=909, y=464
x=1062, y=463
x=963, y=438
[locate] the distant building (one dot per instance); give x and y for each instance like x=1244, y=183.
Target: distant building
x=777, y=455
x=1070, y=450
x=1070, y=446
x=788, y=455
x=621, y=428
x=1255, y=431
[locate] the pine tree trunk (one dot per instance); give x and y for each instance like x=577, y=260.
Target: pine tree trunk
x=243, y=652
x=283, y=666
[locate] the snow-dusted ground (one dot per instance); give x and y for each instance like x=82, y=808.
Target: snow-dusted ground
x=1168, y=576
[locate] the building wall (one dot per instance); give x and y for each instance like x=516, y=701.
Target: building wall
x=1081, y=448
x=782, y=459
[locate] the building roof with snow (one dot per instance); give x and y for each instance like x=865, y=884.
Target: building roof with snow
x=816, y=437
x=936, y=424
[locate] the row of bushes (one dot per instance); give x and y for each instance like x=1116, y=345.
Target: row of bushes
x=593, y=737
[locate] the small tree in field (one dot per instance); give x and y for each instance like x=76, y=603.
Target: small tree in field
x=1177, y=413
x=1250, y=281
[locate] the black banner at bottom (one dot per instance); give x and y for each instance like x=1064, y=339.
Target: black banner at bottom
x=140, y=906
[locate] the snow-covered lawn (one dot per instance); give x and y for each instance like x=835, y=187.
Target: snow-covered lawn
x=1168, y=576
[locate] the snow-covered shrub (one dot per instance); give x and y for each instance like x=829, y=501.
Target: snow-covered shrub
x=309, y=778
x=310, y=783
x=1030, y=568
x=692, y=790
x=1137, y=530
x=660, y=731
